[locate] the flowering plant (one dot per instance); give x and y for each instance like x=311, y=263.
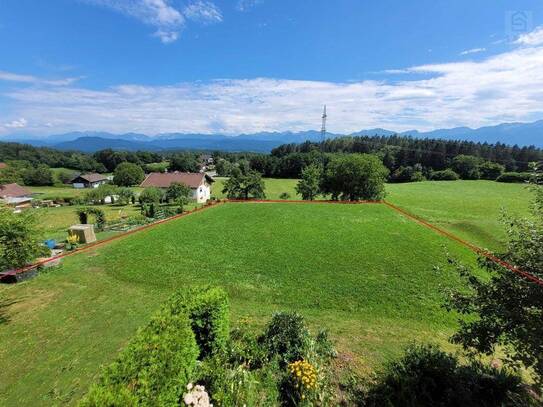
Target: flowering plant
x=303, y=376
x=196, y=396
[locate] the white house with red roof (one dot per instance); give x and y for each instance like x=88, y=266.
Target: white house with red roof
x=199, y=182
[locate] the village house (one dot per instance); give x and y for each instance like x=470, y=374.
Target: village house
x=92, y=180
x=15, y=195
x=200, y=183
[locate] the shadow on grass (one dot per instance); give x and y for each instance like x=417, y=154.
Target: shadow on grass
x=5, y=303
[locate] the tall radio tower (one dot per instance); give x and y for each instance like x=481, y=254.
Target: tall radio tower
x=323, y=128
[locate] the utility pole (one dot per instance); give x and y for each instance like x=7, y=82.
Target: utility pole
x=323, y=128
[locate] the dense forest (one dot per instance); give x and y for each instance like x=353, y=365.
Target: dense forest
x=406, y=158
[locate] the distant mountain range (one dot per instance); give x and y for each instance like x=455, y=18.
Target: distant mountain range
x=522, y=134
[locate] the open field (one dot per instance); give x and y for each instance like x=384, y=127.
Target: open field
x=362, y=271
x=470, y=209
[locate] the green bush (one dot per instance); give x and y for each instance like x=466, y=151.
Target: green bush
x=514, y=177
x=490, y=170
x=444, y=175
x=153, y=369
x=286, y=337
x=208, y=312
x=427, y=376
x=284, y=195
x=407, y=174
x=151, y=195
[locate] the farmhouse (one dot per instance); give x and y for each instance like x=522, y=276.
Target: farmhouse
x=92, y=180
x=15, y=195
x=200, y=183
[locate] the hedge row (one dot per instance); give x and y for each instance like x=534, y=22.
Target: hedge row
x=208, y=313
x=157, y=364
x=514, y=177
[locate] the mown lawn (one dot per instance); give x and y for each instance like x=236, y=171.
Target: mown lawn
x=362, y=271
x=472, y=210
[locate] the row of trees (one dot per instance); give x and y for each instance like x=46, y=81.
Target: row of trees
x=25, y=173
x=437, y=154
x=49, y=157
x=346, y=177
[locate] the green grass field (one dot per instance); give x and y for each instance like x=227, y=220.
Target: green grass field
x=362, y=271
x=471, y=209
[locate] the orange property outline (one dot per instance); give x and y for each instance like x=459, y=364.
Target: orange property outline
x=477, y=250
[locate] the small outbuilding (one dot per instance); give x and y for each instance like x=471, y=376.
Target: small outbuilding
x=92, y=180
x=15, y=195
x=199, y=183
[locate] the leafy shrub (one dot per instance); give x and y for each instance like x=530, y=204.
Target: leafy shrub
x=407, y=174
x=284, y=195
x=151, y=195
x=286, y=337
x=444, y=175
x=154, y=368
x=20, y=239
x=427, y=376
x=233, y=384
x=208, y=312
x=39, y=175
x=490, y=170
x=514, y=177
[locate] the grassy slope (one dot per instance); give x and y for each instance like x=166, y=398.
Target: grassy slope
x=362, y=271
x=470, y=209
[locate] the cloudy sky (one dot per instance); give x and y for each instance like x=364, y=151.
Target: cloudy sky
x=242, y=66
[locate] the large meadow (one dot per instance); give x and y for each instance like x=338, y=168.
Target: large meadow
x=375, y=279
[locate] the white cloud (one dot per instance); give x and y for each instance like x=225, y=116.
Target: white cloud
x=502, y=88
x=472, y=51
x=16, y=124
x=167, y=20
x=160, y=14
x=203, y=11
x=532, y=38
x=244, y=5
x=13, y=77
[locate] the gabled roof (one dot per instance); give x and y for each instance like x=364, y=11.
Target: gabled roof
x=164, y=180
x=13, y=191
x=91, y=177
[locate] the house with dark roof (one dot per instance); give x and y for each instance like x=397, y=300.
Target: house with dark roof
x=199, y=182
x=92, y=180
x=15, y=195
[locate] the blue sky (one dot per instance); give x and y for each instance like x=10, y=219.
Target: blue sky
x=155, y=66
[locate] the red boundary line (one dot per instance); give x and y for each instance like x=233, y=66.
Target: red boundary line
x=472, y=247
x=109, y=239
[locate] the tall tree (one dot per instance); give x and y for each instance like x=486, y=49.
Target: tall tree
x=127, y=174
x=309, y=185
x=354, y=177
x=244, y=186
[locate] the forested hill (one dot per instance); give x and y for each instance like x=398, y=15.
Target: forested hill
x=407, y=151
